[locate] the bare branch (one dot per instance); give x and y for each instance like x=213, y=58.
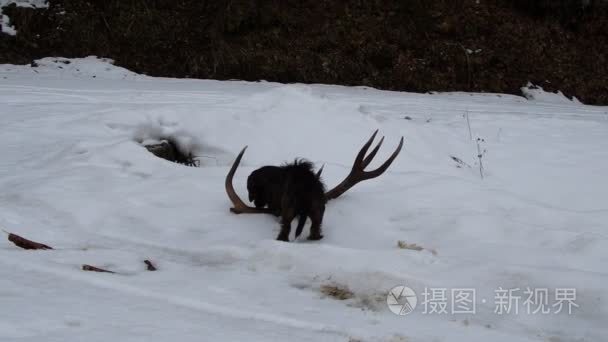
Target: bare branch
x=95, y=269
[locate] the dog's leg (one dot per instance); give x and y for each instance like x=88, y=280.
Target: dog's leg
x=287, y=216
x=301, y=222
x=315, y=228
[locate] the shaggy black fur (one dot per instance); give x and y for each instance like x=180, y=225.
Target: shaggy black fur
x=290, y=190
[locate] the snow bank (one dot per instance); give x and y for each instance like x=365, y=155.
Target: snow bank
x=88, y=67
x=536, y=93
x=151, y=133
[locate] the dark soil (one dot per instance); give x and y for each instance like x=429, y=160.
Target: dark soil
x=412, y=45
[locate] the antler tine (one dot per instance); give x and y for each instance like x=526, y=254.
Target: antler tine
x=368, y=159
x=234, y=198
x=360, y=158
x=380, y=170
x=357, y=173
x=239, y=205
x=320, y=171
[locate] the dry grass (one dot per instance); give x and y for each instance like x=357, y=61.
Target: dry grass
x=337, y=291
x=404, y=245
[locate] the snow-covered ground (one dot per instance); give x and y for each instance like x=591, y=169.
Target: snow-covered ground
x=73, y=176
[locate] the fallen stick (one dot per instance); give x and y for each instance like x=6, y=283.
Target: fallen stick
x=150, y=266
x=25, y=243
x=94, y=269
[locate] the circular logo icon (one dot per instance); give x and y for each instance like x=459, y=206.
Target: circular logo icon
x=401, y=300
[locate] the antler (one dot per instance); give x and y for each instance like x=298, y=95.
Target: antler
x=320, y=171
x=357, y=173
x=239, y=205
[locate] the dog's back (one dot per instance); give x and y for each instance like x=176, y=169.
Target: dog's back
x=302, y=187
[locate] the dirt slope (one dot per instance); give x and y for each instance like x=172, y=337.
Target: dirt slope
x=414, y=45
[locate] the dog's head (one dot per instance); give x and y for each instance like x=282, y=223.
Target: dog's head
x=256, y=186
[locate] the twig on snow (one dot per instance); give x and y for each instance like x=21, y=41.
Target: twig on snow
x=480, y=155
x=95, y=269
x=469, y=124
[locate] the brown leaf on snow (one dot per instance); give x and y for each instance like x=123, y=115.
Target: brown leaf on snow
x=25, y=243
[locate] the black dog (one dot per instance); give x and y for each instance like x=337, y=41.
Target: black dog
x=290, y=190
